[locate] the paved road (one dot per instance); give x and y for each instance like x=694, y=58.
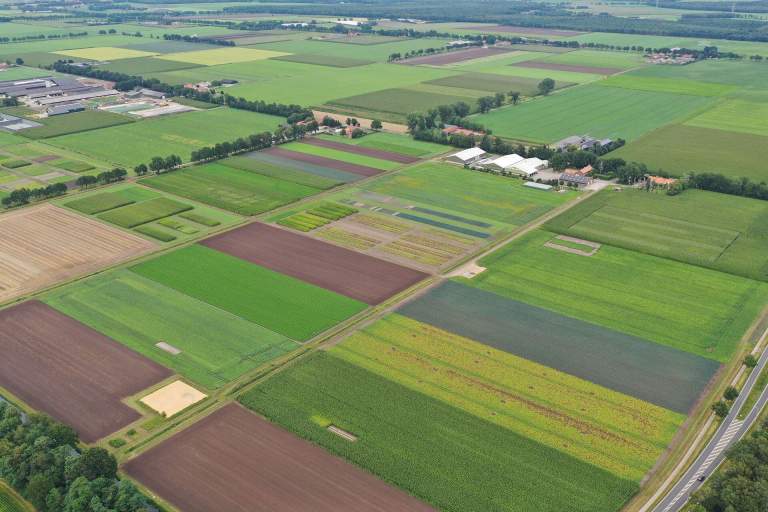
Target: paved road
x=730, y=431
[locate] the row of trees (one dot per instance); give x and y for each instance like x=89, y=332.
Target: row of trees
x=158, y=164
x=24, y=196
x=253, y=142
x=20, y=39
x=195, y=39
x=39, y=458
x=103, y=178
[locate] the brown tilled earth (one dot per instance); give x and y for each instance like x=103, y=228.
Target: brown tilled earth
x=349, y=273
x=567, y=67
x=42, y=245
x=234, y=461
x=360, y=170
x=452, y=57
x=73, y=373
x=351, y=148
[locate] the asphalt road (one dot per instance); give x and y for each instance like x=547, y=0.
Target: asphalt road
x=731, y=430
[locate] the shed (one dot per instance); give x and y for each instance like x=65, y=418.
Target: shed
x=503, y=163
x=529, y=166
x=468, y=156
x=537, y=186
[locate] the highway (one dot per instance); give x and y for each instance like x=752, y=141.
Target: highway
x=730, y=431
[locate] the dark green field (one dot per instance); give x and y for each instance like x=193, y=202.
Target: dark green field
x=74, y=123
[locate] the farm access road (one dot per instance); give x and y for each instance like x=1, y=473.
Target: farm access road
x=729, y=433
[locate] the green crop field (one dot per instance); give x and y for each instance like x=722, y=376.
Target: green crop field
x=591, y=109
x=439, y=453
x=671, y=85
x=216, y=56
x=134, y=215
x=335, y=154
x=145, y=65
x=216, y=346
x=472, y=193
x=680, y=149
x=698, y=310
x=247, y=163
x=98, y=203
x=104, y=53
x=741, y=74
x=135, y=143
x=491, y=83
x=394, y=143
x=325, y=60
x=713, y=230
x=735, y=116
x=615, y=432
x=74, y=123
x=597, y=58
x=275, y=301
x=397, y=101
x=243, y=192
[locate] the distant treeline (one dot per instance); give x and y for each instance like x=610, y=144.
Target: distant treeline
x=41, y=37
x=195, y=39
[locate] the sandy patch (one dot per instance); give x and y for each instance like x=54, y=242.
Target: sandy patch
x=173, y=398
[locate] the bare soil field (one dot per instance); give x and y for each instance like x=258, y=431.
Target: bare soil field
x=529, y=30
x=235, y=461
x=334, y=268
x=42, y=245
x=351, y=148
x=567, y=67
x=71, y=372
x=442, y=59
x=338, y=165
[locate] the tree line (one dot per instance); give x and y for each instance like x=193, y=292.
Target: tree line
x=103, y=178
x=24, y=196
x=195, y=39
x=40, y=459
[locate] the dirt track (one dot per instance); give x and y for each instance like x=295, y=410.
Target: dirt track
x=330, y=163
x=567, y=67
x=69, y=371
x=452, y=57
x=45, y=244
x=234, y=461
x=360, y=150
x=347, y=272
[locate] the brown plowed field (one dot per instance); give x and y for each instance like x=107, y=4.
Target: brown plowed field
x=42, y=245
x=349, y=273
x=234, y=461
x=567, y=67
x=441, y=59
x=528, y=30
x=351, y=148
x=71, y=372
x=360, y=170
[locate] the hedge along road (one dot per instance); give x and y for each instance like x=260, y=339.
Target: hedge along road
x=657, y=374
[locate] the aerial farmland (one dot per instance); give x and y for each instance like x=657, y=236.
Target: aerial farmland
x=380, y=256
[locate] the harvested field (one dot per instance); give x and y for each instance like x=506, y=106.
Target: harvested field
x=654, y=373
x=567, y=67
x=453, y=57
x=355, y=275
x=235, y=461
x=69, y=371
x=360, y=150
x=338, y=165
x=528, y=30
x=42, y=245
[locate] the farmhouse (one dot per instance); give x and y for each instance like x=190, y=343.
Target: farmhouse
x=660, y=182
x=457, y=130
x=583, y=142
x=575, y=180
x=579, y=172
x=466, y=157
x=528, y=166
x=502, y=163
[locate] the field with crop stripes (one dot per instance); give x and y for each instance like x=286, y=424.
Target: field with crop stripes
x=439, y=453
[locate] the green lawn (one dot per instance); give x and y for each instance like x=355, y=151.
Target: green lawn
x=713, y=230
x=216, y=346
x=76, y=122
x=275, y=301
x=690, y=308
x=441, y=454
x=468, y=192
x=335, y=154
x=594, y=110
x=681, y=148
x=243, y=192
x=135, y=143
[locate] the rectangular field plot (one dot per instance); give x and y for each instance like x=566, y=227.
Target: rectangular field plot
x=393, y=143
x=660, y=375
x=137, y=142
x=440, y=453
x=233, y=460
x=271, y=158
x=615, y=432
x=321, y=161
x=75, y=123
x=251, y=163
x=104, y=53
x=228, y=55
x=398, y=102
x=355, y=275
x=704, y=228
x=214, y=346
x=43, y=245
x=144, y=65
x=453, y=57
x=277, y=302
x=142, y=213
x=734, y=116
x=489, y=82
x=690, y=308
x=734, y=154
x=342, y=155
x=325, y=60
x=360, y=150
x=217, y=184
x=71, y=372
x=592, y=109
x=471, y=193
x=571, y=68
x=671, y=85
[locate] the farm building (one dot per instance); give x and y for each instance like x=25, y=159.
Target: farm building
x=528, y=166
x=537, y=186
x=466, y=157
x=502, y=163
x=57, y=110
x=584, y=142
x=660, y=182
x=457, y=130
x=575, y=180
x=579, y=172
